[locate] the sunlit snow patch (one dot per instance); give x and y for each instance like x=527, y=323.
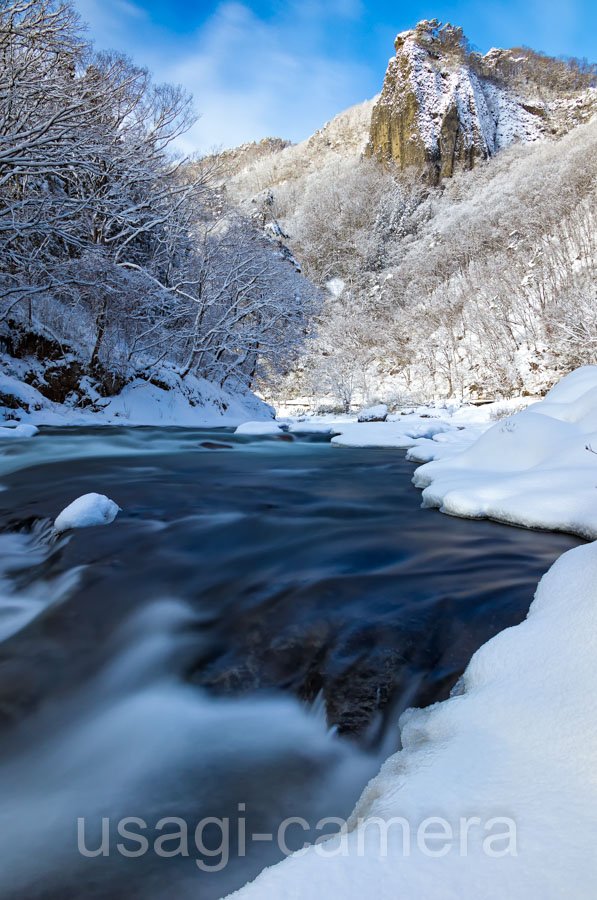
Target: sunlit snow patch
x=258, y=428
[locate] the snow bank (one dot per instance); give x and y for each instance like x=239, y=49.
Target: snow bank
x=401, y=434
x=513, y=752
x=90, y=509
x=311, y=426
x=168, y=400
x=190, y=402
x=425, y=424
x=11, y=430
x=534, y=468
x=427, y=432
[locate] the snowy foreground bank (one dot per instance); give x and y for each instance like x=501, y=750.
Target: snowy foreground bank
x=493, y=794
x=501, y=773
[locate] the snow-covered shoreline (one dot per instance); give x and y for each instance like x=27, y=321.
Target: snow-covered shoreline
x=535, y=467
x=173, y=401
x=515, y=743
x=517, y=740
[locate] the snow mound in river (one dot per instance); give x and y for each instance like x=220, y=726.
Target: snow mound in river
x=257, y=428
x=90, y=509
x=536, y=468
x=17, y=431
x=493, y=794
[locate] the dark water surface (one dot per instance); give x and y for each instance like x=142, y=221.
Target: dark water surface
x=183, y=660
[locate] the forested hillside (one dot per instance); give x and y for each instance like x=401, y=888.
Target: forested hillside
x=485, y=286
x=118, y=259
x=480, y=286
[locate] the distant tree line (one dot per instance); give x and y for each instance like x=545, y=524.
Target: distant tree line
x=519, y=67
x=523, y=67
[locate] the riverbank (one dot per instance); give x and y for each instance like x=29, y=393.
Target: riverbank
x=511, y=753
x=41, y=392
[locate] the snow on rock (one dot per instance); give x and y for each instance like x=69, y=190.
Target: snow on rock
x=401, y=433
x=378, y=413
x=512, y=753
x=311, y=426
x=258, y=428
x=13, y=387
x=11, y=430
x=90, y=509
x=534, y=468
x=489, y=116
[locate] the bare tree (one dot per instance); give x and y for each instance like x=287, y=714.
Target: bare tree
x=99, y=216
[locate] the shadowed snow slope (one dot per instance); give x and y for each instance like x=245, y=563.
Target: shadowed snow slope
x=535, y=468
x=187, y=402
x=517, y=743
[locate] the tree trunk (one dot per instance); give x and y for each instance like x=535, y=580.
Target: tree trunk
x=100, y=322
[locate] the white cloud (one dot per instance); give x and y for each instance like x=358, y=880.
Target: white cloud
x=250, y=77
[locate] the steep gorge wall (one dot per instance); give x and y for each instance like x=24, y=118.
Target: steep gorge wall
x=437, y=113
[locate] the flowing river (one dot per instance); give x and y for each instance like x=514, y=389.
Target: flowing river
x=234, y=651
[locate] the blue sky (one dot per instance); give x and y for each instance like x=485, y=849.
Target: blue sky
x=284, y=67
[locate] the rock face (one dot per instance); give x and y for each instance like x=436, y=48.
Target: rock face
x=441, y=110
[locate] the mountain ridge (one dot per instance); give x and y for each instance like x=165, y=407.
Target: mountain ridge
x=520, y=96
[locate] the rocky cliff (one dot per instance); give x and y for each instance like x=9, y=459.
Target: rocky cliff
x=441, y=107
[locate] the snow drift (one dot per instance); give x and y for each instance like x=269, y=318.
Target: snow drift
x=535, y=468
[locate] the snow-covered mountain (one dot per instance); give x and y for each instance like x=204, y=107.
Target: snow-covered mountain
x=450, y=221
x=442, y=107
x=344, y=137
